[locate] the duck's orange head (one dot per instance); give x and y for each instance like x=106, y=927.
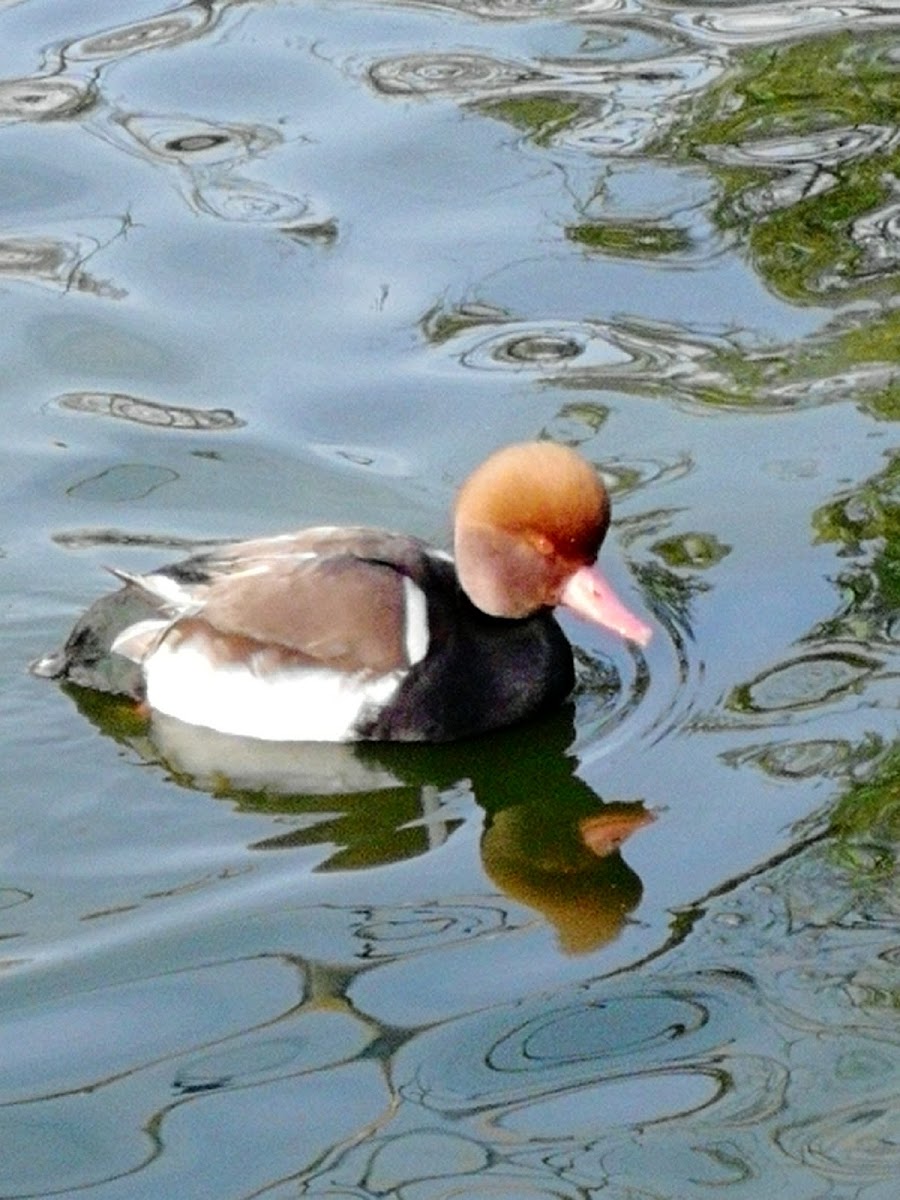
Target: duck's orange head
x=529, y=524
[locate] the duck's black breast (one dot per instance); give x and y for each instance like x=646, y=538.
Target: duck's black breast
x=480, y=672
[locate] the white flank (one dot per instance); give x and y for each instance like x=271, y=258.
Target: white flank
x=416, y=634
x=311, y=704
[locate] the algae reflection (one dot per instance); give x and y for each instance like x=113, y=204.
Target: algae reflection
x=852, y=650
x=802, y=139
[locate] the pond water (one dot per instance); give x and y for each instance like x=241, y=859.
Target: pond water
x=271, y=264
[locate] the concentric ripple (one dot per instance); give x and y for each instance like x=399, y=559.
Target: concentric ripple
x=168, y=29
x=149, y=412
x=454, y=75
x=387, y=933
x=235, y=199
x=512, y=1056
x=535, y=346
x=44, y=98
x=585, y=354
x=191, y=142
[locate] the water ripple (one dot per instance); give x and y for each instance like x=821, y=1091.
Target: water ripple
x=149, y=412
x=235, y=199
x=753, y=24
x=391, y=933
x=12, y=897
x=167, y=29
x=817, y=757
x=878, y=236
x=448, y=74
x=825, y=148
x=641, y=1098
x=312, y=1040
x=855, y=1145
x=51, y=261
x=527, y=10
x=359, y=936
x=496, y=1059
x=44, y=98
x=615, y=108
x=592, y=355
x=803, y=682
x=542, y=346
x=190, y=142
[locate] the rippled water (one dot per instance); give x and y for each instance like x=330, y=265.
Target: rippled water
x=264, y=265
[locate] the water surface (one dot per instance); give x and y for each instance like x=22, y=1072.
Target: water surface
x=264, y=265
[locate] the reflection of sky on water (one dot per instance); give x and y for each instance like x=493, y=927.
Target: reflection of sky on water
x=264, y=265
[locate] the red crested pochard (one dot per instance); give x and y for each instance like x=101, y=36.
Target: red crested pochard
x=344, y=634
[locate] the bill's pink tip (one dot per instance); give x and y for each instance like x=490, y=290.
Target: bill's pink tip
x=589, y=595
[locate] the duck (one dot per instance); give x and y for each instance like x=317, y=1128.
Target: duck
x=345, y=634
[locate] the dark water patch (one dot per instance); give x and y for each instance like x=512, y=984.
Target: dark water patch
x=309, y=1040
x=66, y=1143
x=38, y=1068
x=800, y=172
x=545, y=117
x=123, y=483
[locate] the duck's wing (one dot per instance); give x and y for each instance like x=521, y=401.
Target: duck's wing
x=290, y=602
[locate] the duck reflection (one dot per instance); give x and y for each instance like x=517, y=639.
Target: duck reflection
x=548, y=842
